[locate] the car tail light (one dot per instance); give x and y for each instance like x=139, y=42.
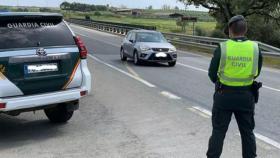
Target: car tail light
x=83, y=93
x=82, y=47
x=2, y=105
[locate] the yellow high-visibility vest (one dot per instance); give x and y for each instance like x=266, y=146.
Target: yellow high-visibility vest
x=238, y=63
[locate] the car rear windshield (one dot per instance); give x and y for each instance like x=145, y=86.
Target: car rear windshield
x=18, y=33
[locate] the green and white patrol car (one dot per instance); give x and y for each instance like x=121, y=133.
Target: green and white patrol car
x=42, y=65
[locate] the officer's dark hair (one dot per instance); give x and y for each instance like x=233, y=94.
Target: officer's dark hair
x=239, y=27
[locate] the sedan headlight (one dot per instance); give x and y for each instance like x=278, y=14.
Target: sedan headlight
x=145, y=48
x=172, y=49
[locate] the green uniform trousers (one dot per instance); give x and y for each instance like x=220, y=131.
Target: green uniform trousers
x=241, y=105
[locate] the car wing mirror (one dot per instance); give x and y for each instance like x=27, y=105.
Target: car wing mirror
x=132, y=41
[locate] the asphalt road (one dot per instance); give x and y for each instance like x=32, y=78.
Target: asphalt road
x=149, y=111
x=189, y=79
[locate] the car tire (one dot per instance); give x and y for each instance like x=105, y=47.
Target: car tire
x=172, y=63
x=59, y=113
x=136, y=59
x=123, y=57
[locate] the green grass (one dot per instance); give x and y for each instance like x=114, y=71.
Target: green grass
x=272, y=61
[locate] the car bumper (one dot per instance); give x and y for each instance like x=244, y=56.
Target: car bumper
x=151, y=57
x=41, y=100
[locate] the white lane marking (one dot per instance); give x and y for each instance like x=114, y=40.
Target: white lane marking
x=205, y=111
x=258, y=136
x=192, y=67
x=198, y=112
x=199, y=69
x=126, y=73
x=267, y=140
x=170, y=95
x=115, y=45
x=130, y=69
x=270, y=88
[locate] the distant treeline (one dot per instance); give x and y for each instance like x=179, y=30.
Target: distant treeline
x=82, y=7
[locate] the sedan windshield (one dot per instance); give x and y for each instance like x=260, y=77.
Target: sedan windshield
x=150, y=37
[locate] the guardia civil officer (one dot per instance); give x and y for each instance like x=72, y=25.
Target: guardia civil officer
x=234, y=67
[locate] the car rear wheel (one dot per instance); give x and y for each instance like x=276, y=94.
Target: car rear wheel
x=172, y=63
x=136, y=60
x=59, y=113
x=123, y=57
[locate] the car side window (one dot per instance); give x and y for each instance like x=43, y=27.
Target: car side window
x=133, y=37
x=128, y=36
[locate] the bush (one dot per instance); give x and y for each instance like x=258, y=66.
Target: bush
x=45, y=10
x=200, y=32
x=97, y=13
x=87, y=17
x=218, y=34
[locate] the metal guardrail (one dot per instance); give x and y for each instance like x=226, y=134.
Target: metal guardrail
x=212, y=43
x=110, y=27
x=197, y=41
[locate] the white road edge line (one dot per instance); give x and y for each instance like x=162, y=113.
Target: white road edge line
x=267, y=140
x=170, y=95
x=270, y=88
x=121, y=71
x=97, y=39
x=92, y=30
x=207, y=112
x=199, y=69
x=198, y=112
x=192, y=67
x=258, y=136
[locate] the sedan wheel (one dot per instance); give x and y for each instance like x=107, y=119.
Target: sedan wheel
x=123, y=57
x=171, y=64
x=135, y=58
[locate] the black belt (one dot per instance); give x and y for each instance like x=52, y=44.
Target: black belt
x=235, y=88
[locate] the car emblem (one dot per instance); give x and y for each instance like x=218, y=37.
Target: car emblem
x=41, y=52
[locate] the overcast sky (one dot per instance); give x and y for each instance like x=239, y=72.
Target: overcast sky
x=117, y=3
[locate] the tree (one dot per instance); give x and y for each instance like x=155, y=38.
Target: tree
x=223, y=10
x=263, y=16
x=150, y=7
x=97, y=13
x=176, y=8
x=45, y=10
x=166, y=7
x=25, y=10
x=82, y=7
x=65, y=6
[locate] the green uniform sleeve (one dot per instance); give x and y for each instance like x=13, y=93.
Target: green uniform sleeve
x=260, y=64
x=214, y=65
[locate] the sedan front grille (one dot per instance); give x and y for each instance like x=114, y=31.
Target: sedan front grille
x=160, y=49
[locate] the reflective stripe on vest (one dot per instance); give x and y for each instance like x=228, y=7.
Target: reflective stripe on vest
x=238, y=63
